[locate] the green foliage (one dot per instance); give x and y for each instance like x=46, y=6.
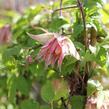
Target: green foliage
x=47, y=92
x=56, y=23
x=30, y=85
x=29, y=104
x=78, y=102
x=93, y=87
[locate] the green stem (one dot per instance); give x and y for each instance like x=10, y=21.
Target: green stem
x=69, y=7
x=51, y=104
x=84, y=22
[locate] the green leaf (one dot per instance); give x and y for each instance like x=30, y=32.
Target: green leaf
x=47, y=92
x=69, y=1
x=3, y=81
x=78, y=29
x=3, y=84
x=60, y=89
x=93, y=86
x=29, y=104
x=92, y=3
x=10, y=52
x=44, y=107
x=22, y=85
x=36, y=70
x=78, y=102
x=2, y=106
x=17, y=84
x=67, y=65
x=89, y=56
x=12, y=88
x=101, y=56
x=57, y=23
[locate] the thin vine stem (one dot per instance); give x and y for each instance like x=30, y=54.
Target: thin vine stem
x=51, y=105
x=64, y=8
x=84, y=21
x=63, y=102
x=86, y=68
x=82, y=13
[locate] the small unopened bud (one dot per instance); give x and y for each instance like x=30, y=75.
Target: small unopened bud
x=29, y=59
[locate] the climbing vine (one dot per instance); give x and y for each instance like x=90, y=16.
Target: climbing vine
x=55, y=57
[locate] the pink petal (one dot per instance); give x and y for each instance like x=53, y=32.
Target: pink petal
x=54, y=46
x=42, y=38
x=60, y=60
x=73, y=50
x=54, y=59
x=45, y=48
x=65, y=50
x=48, y=60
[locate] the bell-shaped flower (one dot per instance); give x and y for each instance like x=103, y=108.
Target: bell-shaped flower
x=55, y=48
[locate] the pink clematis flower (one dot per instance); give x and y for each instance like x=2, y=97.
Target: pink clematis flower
x=55, y=49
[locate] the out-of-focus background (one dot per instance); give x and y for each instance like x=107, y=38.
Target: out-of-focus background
x=19, y=5
x=24, y=83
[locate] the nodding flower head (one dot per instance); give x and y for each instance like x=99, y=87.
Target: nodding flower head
x=55, y=49
x=5, y=34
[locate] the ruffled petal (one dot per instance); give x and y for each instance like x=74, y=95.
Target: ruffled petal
x=56, y=49
x=60, y=60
